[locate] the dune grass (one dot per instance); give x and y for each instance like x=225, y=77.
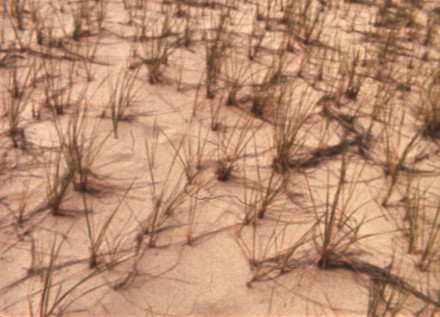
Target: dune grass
x=309, y=127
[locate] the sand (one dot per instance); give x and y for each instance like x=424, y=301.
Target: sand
x=207, y=168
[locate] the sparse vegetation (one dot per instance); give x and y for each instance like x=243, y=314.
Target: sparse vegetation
x=289, y=146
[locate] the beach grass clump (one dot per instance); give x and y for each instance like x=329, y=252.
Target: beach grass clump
x=430, y=106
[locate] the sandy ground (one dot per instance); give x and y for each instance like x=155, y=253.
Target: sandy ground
x=207, y=253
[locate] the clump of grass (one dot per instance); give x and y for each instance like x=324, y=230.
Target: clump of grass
x=37, y=20
x=395, y=154
x=382, y=14
x=194, y=199
x=56, y=96
x=353, y=80
x=224, y=169
x=58, y=182
x=385, y=54
x=215, y=52
x=391, y=146
x=430, y=29
x=156, y=47
x=265, y=13
x=395, y=168
x=256, y=38
x=312, y=24
x=191, y=155
x=17, y=10
x=272, y=257
x=230, y=148
x=122, y=96
x=81, y=19
x=77, y=31
x=267, y=195
x=289, y=118
x=71, y=166
x=385, y=299
x=55, y=297
x=86, y=10
x=88, y=50
x=331, y=219
x=250, y=197
x=271, y=86
x=96, y=239
x=14, y=103
x=188, y=31
x=80, y=150
x=215, y=106
x=338, y=230
x=235, y=72
x=20, y=210
x=158, y=57
x=304, y=20
x=413, y=212
x=430, y=106
x=165, y=200
x=429, y=242
x=101, y=13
